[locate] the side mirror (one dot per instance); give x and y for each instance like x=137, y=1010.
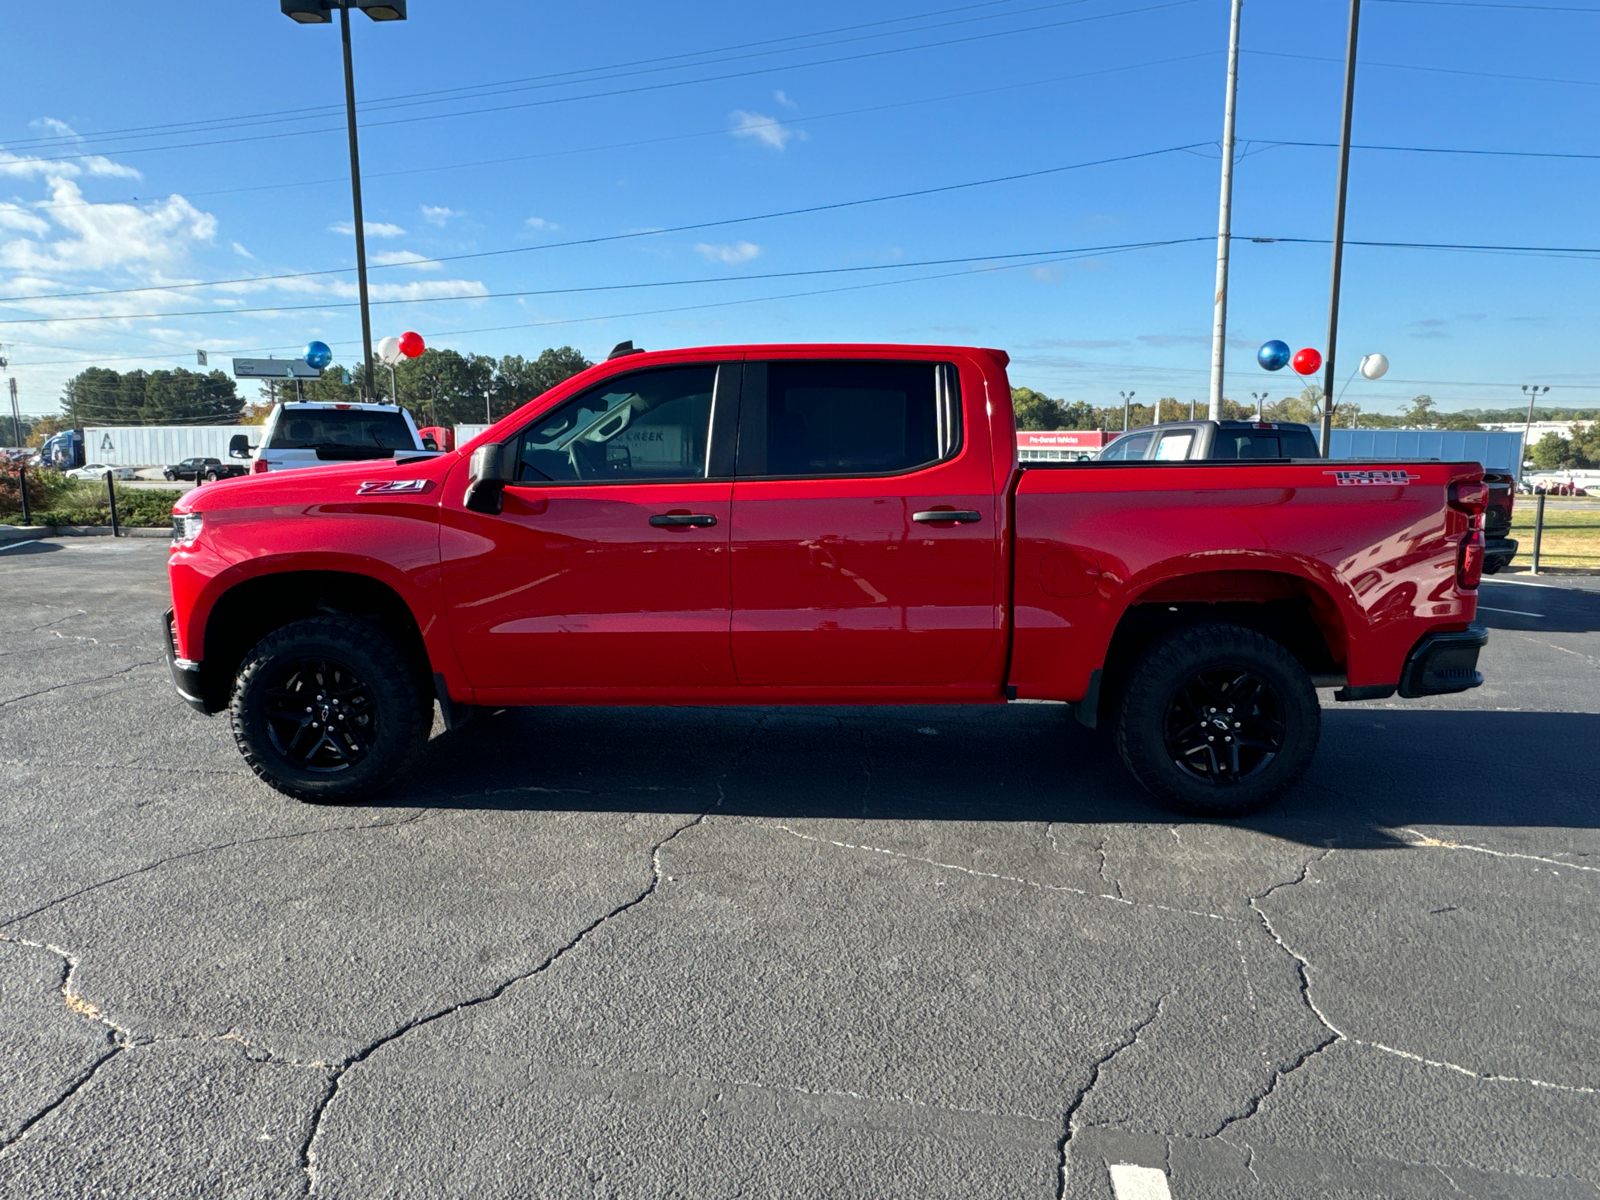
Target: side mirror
x=492, y=467
x=429, y=444
x=239, y=446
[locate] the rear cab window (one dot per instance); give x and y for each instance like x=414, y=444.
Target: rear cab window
x=314, y=429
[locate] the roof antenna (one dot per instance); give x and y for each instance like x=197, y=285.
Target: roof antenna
x=623, y=349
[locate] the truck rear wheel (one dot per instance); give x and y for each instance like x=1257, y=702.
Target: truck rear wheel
x=1218, y=720
x=328, y=710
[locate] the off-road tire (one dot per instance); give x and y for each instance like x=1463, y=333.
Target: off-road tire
x=1159, y=717
x=280, y=673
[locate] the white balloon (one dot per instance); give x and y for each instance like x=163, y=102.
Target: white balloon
x=389, y=350
x=1374, y=366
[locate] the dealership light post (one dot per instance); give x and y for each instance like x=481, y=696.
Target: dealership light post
x=1338, y=225
x=1127, y=403
x=1532, y=392
x=1219, y=310
x=316, y=12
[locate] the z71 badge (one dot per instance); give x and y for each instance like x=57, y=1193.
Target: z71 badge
x=394, y=487
x=1372, y=478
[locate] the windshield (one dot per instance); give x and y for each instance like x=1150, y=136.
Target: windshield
x=307, y=429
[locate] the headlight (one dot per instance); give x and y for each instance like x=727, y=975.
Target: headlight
x=185, y=527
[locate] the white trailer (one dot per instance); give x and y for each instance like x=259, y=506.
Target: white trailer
x=159, y=445
x=465, y=433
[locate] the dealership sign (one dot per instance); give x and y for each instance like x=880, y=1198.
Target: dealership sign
x=1063, y=439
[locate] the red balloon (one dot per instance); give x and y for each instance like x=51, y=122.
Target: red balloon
x=411, y=346
x=1305, y=362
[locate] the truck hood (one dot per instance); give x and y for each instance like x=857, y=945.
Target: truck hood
x=325, y=485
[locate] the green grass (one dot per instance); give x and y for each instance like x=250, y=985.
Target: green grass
x=1571, y=536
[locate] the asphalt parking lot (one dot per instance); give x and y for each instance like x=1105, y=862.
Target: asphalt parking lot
x=789, y=952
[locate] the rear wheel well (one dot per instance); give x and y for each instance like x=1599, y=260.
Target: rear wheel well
x=250, y=611
x=1291, y=611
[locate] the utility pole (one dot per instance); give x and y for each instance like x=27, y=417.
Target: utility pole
x=1338, y=225
x=1219, y=315
x=1127, y=404
x=16, y=417
x=355, y=195
x=1531, y=391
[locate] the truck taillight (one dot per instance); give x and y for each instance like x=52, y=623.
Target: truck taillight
x=259, y=467
x=1470, y=498
x=1469, y=561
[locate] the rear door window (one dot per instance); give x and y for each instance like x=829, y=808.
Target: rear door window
x=808, y=419
x=1264, y=443
x=1174, y=447
x=651, y=425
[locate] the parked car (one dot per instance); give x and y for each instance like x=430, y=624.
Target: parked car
x=307, y=434
x=1177, y=441
x=207, y=470
x=98, y=471
x=818, y=524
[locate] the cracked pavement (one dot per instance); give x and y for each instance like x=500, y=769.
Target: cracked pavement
x=787, y=951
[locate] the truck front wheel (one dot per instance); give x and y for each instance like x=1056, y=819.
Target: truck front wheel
x=1218, y=720
x=328, y=710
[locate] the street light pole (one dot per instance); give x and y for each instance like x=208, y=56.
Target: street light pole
x=1219, y=312
x=1532, y=392
x=1127, y=403
x=1338, y=225
x=355, y=195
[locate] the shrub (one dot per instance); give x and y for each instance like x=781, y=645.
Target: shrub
x=46, y=488
x=83, y=502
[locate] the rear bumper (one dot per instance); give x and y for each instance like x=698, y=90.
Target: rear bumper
x=1498, y=553
x=1443, y=663
x=186, y=676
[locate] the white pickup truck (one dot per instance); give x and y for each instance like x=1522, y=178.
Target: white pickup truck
x=309, y=434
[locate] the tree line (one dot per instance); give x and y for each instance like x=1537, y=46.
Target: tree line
x=439, y=387
x=1037, y=411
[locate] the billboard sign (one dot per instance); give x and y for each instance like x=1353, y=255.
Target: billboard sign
x=274, y=368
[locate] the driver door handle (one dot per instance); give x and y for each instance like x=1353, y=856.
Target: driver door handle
x=957, y=516
x=668, y=520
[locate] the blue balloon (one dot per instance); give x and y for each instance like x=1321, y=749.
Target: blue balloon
x=1274, y=355
x=318, y=355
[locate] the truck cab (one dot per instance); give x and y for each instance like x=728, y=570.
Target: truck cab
x=301, y=434
x=1179, y=441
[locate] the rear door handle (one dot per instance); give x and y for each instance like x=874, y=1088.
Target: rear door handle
x=668, y=520
x=958, y=516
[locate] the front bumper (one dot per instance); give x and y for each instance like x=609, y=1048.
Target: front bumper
x=186, y=676
x=1442, y=663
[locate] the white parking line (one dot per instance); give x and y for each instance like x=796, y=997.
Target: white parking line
x=1515, y=612
x=1138, y=1183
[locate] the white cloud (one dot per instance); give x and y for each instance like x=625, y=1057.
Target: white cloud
x=1046, y=274
x=106, y=236
x=14, y=216
x=783, y=99
x=241, y=251
x=738, y=252
x=58, y=128
x=21, y=166
x=395, y=258
x=437, y=214
x=377, y=229
x=755, y=127
x=99, y=165
x=540, y=223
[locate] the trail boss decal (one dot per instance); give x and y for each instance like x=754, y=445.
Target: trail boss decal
x=394, y=487
x=1372, y=478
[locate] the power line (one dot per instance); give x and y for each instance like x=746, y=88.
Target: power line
x=720, y=132
x=613, y=287
x=633, y=90
x=1428, y=150
x=1434, y=70
x=617, y=237
x=331, y=109
x=1486, y=4
x=1577, y=250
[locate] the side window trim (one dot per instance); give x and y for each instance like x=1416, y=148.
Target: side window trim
x=752, y=433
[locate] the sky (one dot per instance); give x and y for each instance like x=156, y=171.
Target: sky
x=540, y=175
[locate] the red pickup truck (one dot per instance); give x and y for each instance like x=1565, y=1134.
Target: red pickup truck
x=818, y=524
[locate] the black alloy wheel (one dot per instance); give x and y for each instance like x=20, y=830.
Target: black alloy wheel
x=1218, y=720
x=1224, y=726
x=329, y=709
x=319, y=714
